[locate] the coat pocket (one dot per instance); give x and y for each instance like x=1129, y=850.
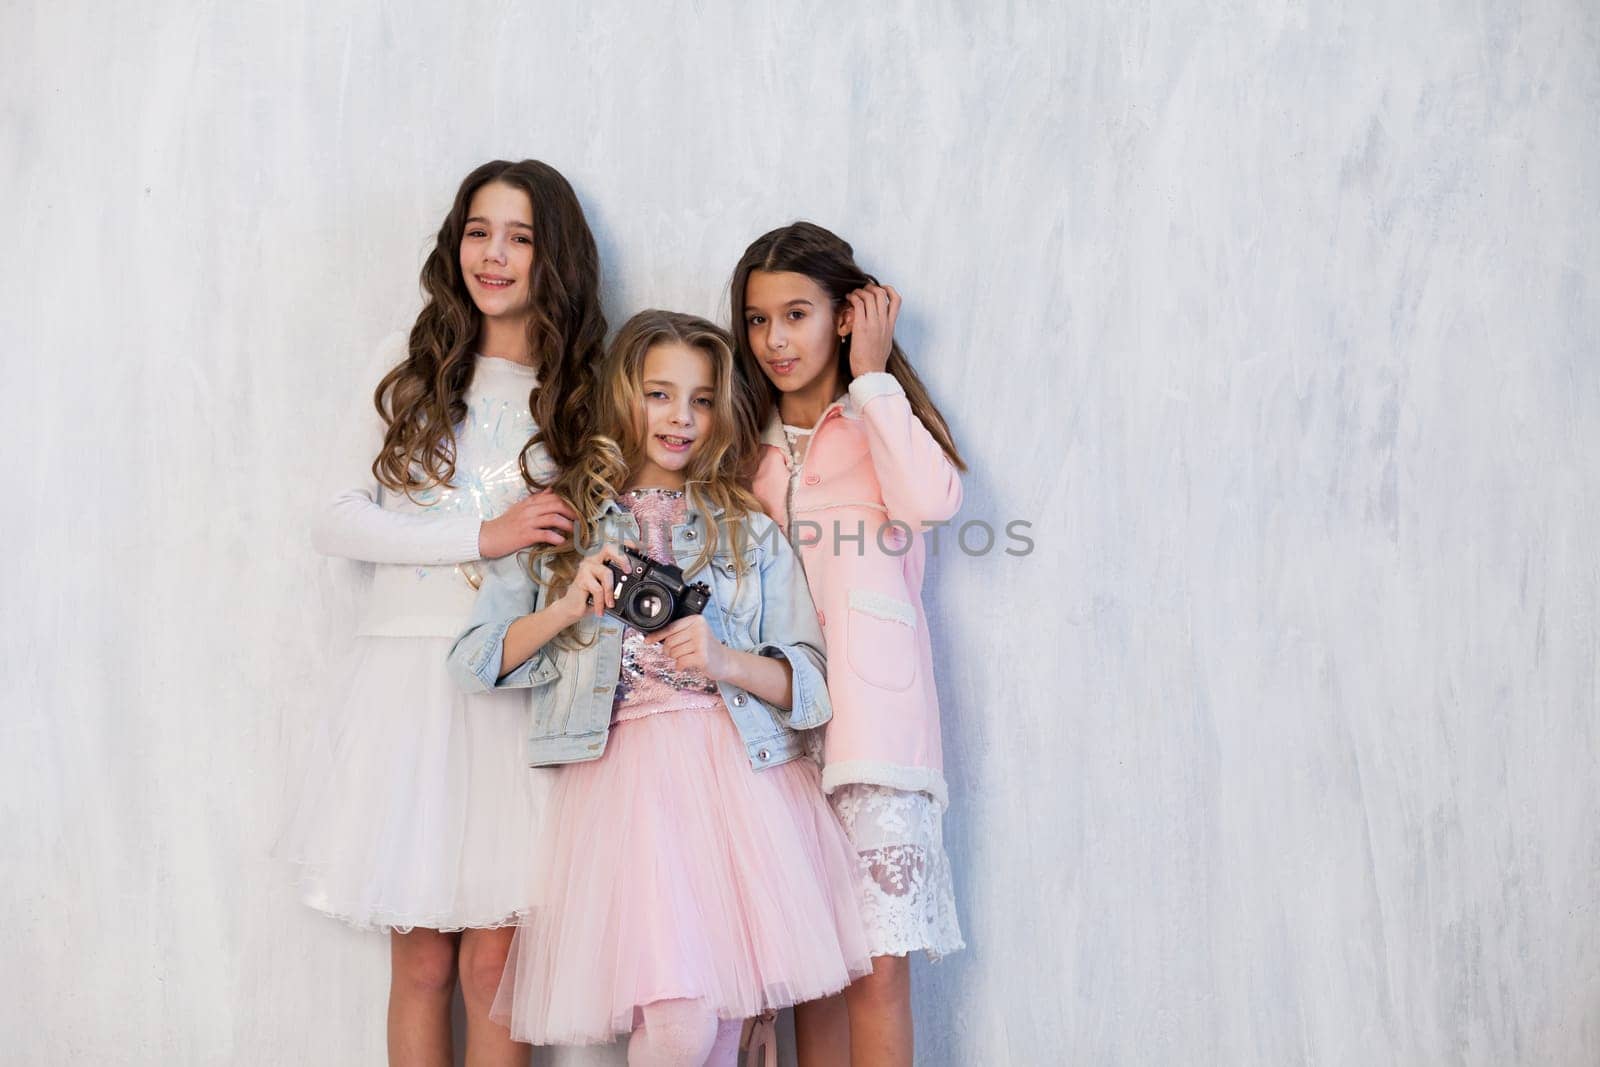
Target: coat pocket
x=881, y=639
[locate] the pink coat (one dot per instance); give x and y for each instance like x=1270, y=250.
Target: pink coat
x=871, y=477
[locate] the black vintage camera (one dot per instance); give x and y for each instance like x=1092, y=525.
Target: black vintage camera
x=650, y=595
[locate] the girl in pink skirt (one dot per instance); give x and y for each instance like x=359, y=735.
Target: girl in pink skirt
x=690, y=872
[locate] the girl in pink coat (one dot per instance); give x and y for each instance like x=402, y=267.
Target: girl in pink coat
x=856, y=465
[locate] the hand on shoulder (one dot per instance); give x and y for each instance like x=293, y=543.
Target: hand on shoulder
x=541, y=519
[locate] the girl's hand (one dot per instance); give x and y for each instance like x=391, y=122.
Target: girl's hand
x=871, y=317
x=590, y=591
x=543, y=518
x=691, y=646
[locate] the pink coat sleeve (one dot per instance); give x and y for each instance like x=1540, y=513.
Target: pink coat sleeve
x=918, y=481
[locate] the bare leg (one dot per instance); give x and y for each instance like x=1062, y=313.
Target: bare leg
x=483, y=959
x=422, y=981
x=822, y=1032
x=881, y=1033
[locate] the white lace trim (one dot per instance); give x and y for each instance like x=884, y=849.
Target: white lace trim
x=835, y=504
x=315, y=896
x=840, y=773
x=883, y=606
x=906, y=896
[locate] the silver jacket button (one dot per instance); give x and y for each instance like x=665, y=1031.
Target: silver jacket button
x=738, y=700
x=763, y=755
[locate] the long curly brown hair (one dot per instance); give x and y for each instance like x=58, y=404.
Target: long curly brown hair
x=718, y=475
x=422, y=399
x=827, y=259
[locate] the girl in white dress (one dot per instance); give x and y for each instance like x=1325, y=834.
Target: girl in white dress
x=418, y=804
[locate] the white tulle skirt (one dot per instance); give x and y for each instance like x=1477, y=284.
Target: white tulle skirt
x=418, y=808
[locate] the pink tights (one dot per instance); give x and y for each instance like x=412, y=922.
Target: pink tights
x=683, y=1033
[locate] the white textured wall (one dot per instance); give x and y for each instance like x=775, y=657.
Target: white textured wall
x=1278, y=320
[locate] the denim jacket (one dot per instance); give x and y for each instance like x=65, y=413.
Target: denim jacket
x=768, y=612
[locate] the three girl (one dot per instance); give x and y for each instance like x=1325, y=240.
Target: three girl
x=691, y=873
x=688, y=872
x=857, y=463
x=418, y=809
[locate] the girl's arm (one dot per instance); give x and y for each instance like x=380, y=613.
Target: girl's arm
x=526, y=635
x=919, y=482
x=786, y=669
x=512, y=621
x=789, y=635
x=769, y=679
x=480, y=660
x=767, y=674
x=353, y=523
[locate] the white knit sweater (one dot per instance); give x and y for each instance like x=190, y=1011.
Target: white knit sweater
x=419, y=543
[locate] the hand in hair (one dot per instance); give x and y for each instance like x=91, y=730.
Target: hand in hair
x=541, y=519
x=870, y=319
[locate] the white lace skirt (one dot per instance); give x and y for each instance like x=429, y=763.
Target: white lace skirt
x=907, y=900
x=418, y=807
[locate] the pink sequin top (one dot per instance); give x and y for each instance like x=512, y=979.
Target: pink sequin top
x=649, y=683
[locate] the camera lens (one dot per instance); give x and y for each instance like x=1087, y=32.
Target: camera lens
x=648, y=607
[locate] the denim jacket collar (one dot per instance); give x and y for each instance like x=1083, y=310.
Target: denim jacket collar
x=688, y=537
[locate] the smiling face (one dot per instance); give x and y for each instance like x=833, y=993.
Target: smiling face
x=679, y=396
x=794, y=330
x=497, y=251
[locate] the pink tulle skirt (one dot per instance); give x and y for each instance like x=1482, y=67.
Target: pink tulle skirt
x=670, y=869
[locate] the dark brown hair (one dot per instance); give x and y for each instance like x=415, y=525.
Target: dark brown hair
x=827, y=259
x=421, y=400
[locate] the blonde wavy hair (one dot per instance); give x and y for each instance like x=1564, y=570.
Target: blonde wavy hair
x=719, y=473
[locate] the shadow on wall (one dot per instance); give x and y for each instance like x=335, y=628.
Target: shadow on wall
x=942, y=991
